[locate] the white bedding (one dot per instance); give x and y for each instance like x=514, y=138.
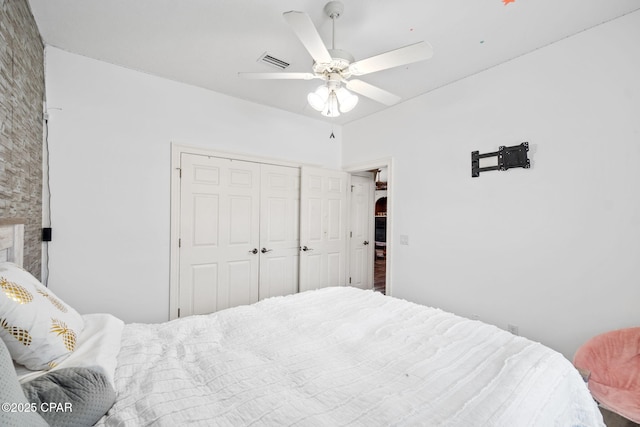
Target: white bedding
x=341, y=356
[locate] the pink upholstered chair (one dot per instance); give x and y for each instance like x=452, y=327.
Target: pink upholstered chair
x=613, y=359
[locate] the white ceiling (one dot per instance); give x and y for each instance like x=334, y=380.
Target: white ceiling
x=206, y=43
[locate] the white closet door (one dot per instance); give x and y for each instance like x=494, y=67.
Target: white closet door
x=279, y=230
x=323, y=234
x=219, y=230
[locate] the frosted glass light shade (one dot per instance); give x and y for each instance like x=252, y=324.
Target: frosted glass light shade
x=318, y=99
x=346, y=99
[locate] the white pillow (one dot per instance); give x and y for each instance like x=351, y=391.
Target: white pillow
x=37, y=327
x=98, y=348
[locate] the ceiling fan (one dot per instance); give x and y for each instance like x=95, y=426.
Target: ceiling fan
x=336, y=66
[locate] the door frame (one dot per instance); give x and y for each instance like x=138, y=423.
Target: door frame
x=377, y=164
x=176, y=152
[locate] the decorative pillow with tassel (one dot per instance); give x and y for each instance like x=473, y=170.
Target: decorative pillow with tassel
x=37, y=327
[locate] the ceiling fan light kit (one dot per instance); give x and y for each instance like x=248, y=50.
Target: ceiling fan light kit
x=335, y=66
x=331, y=99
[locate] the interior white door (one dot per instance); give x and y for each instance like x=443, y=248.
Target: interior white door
x=361, y=241
x=219, y=233
x=323, y=231
x=279, y=230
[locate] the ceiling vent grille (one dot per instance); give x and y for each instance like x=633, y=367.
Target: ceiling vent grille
x=273, y=61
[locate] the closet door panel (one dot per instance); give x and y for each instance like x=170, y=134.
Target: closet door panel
x=279, y=230
x=323, y=232
x=204, y=285
x=278, y=275
x=241, y=215
x=205, y=227
x=219, y=228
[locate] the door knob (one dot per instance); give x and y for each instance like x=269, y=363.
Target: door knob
x=265, y=250
x=254, y=251
x=304, y=248
x=366, y=242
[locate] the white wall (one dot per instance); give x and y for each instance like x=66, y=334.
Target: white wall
x=554, y=249
x=110, y=131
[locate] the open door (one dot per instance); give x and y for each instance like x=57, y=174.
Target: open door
x=323, y=227
x=383, y=223
x=361, y=231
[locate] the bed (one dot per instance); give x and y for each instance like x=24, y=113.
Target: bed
x=328, y=357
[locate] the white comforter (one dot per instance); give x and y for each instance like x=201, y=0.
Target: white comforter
x=342, y=356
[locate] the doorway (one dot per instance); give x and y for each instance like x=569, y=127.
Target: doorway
x=361, y=234
x=382, y=217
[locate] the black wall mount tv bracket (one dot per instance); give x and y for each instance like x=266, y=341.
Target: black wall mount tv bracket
x=507, y=158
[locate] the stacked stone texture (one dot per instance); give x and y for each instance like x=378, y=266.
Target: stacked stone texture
x=21, y=124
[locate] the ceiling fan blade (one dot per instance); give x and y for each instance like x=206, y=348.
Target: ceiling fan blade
x=394, y=58
x=278, y=76
x=373, y=92
x=308, y=35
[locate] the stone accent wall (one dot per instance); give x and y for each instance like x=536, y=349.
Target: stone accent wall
x=21, y=128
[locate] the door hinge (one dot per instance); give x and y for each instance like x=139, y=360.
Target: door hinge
x=179, y=243
x=352, y=188
x=349, y=280
x=351, y=234
x=179, y=172
x=178, y=312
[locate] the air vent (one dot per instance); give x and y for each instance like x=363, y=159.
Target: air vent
x=274, y=62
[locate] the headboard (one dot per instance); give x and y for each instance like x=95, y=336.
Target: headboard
x=12, y=240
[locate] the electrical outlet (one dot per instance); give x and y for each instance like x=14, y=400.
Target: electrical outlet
x=404, y=239
x=513, y=329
